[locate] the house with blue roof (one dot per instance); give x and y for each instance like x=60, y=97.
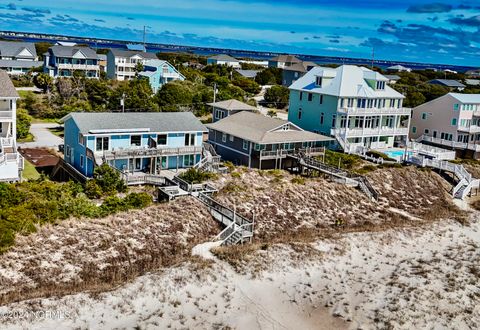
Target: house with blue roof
x=353, y=104
x=159, y=73
x=133, y=143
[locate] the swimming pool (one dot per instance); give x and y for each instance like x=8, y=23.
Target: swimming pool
x=396, y=154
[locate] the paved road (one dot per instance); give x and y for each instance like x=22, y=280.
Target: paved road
x=43, y=137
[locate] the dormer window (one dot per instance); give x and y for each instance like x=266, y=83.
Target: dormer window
x=380, y=85
x=318, y=81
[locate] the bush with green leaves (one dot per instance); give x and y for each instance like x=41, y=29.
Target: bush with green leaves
x=26, y=205
x=106, y=179
x=192, y=175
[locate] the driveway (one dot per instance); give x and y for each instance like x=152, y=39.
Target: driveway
x=263, y=110
x=43, y=137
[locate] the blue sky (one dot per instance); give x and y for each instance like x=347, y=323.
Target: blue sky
x=420, y=31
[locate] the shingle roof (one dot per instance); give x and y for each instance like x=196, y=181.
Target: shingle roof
x=301, y=67
x=154, y=121
x=262, y=129
x=447, y=82
x=19, y=64
x=68, y=52
x=7, y=90
x=12, y=49
x=345, y=81
x=392, y=77
x=131, y=53
x=223, y=57
x=285, y=59
x=466, y=98
x=232, y=105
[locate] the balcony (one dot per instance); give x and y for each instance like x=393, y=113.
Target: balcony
x=283, y=153
x=84, y=67
x=472, y=129
x=139, y=152
x=366, y=132
x=375, y=111
x=452, y=144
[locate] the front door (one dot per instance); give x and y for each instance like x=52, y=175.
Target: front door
x=135, y=164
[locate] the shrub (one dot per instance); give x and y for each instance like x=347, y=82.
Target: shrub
x=192, y=175
x=236, y=175
x=298, y=180
x=138, y=200
x=93, y=189
x=108, y=179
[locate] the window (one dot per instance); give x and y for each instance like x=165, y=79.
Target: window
x=81, y=161
x=67, y=151
x=162, y=139
x=414, y=130
x=435, y=134
x=301, y=96
x=318, y=81
x=188, y=160
x=334, y=117
x=426, y=131
x=231, y=138
x=245, y=145
x=322, y=117
x=454, y=121
x=190, y=139
x=224, y=137
x=102, y=143
x=380, y=85
x=321, y=99
x=81, y=139
x=136, y=140
x=310, y=97
x=424, y=115
x=456, y=106
x=300, y=113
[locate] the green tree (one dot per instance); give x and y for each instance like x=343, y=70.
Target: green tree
x=108, y=179
x=43, y=81
x=269, y=76
x=277, y=96
x=139, y=68
x=248, y=85
x=24, y=120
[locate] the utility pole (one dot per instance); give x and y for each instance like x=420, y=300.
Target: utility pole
x=214, y=92
x=122, y=102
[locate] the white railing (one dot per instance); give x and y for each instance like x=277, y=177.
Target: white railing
x=78, y=66
x=375, y=111
x=452, y=144
x=283, y=153
x=359, y=132
x=6, y=142
x=434, y=152
x=14, y=157
x=470, y=129
x=149, y=152
x=6, y=114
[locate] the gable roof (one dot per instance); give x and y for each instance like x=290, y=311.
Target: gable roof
x=69, y=51
x=223, y=57
x=13, y=49
x=232, y=105
x=131, y=53
x=7, y=90
x=447, y=82
x=20, y=64
x=466, y=98
x=124, y=121
x=261, y=129
x=345, y=81
x=392, y=77
x=285, y=59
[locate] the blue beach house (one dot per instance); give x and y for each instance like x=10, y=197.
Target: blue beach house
x=159, y=73
x=133, y=142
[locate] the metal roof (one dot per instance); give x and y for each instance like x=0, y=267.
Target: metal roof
x=447, y=82
x=466, y=98
x=248, y=73
x=261, y=129
x=7, y=90
x=285, y=59
x=13, y=49
x=134, y=121
x=131, y=53
x=344, y=81
x=69, y=52
x=232, y=105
